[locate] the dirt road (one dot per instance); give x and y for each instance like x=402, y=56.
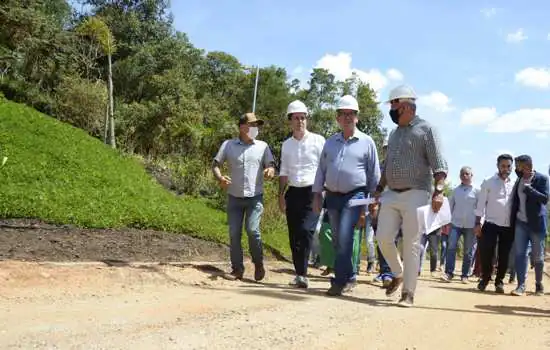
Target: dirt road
x=189, y=306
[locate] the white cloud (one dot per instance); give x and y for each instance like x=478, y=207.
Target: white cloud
x=478, y=116
x=521, y=120
x=541, y=135
x=489, y=12
x=516, y=37
x=534, y=77
x=548, y=36
x=437, y=101
x=394, y=74
x=340, y=66
x=536, y=119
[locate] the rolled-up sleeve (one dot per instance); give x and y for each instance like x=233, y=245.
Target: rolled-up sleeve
x=373, y=167
x=319, y=183
x=433, y=150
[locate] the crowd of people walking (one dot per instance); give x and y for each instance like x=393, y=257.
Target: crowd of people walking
x=324, y=183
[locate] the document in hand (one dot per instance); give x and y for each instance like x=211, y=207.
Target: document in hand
x=428, y=221
x=362, y=201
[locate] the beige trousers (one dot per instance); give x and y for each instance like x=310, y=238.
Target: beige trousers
x=398, y=210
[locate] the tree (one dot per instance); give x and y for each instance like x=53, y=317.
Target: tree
x=96, y=29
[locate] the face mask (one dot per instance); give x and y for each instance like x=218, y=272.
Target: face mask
x=252, y=132
x=395, y=115
x=519, y=173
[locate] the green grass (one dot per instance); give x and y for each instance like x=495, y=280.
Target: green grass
x=59, y=174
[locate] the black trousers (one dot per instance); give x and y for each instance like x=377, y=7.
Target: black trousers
x=301, y=221
x=490, y=234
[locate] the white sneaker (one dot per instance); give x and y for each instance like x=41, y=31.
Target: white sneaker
x=299, y=282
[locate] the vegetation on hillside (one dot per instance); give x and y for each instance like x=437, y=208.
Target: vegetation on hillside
x=60, y=174
x=174, y=104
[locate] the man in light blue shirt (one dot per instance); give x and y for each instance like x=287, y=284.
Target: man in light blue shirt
x=463, y=204
x=348, y=169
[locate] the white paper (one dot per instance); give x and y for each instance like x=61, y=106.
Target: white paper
x=362, y=201
x=428, y=221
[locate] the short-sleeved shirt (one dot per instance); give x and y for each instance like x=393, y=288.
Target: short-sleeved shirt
x=463, y=204
x=347, y=165
x=414, y=155
x=246, y=163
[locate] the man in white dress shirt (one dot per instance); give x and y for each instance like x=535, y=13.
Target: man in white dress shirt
x=494, y=201
x=300, y=156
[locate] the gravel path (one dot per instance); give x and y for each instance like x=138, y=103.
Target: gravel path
x=185, y=306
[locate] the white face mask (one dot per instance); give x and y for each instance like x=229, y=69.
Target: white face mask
x=252, y=132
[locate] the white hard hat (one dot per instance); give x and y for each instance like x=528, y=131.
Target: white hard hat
x=296, y=107
x=402, y=91
x=347, y=102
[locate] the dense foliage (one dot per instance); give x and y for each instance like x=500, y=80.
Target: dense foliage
x=174, y=103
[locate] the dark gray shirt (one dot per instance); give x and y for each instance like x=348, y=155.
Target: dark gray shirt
x=414, y=155
x=246, y=164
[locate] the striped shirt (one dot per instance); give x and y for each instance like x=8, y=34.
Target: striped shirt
x=414, y=155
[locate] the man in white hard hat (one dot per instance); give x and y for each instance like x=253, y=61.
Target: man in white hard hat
x=349, y=169
x=249, y=161
x=414, y=167
x=300, y=156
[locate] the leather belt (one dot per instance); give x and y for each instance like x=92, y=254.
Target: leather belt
x=400, y=190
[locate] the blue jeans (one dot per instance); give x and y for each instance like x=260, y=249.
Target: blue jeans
x=250, y=211
x=468, y=254
x=369, y=238
x=343, y=219
x=443, y=244
x=523, y=236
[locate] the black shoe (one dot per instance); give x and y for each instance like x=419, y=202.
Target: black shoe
x=539, y=289
x=235, y=274
x=499, y=288
x=335, y=290
x=259, y=272
x=482, y=285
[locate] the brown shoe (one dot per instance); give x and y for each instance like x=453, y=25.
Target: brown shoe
x=235, y=275
x=407, y=300
x=394, y=286
x=259, y=272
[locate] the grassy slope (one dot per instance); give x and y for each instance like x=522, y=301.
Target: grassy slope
x=60, y=174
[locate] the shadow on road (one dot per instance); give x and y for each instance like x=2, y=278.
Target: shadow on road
x=515, y=310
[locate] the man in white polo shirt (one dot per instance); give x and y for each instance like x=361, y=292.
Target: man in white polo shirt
x=300, y=156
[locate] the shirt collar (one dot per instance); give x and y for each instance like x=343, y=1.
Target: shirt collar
x=306, y=134
x=499, y=178
x=241, y=142
x=354, y=136
x=413, y=122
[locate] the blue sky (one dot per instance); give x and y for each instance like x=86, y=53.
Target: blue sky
x=481, y=69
